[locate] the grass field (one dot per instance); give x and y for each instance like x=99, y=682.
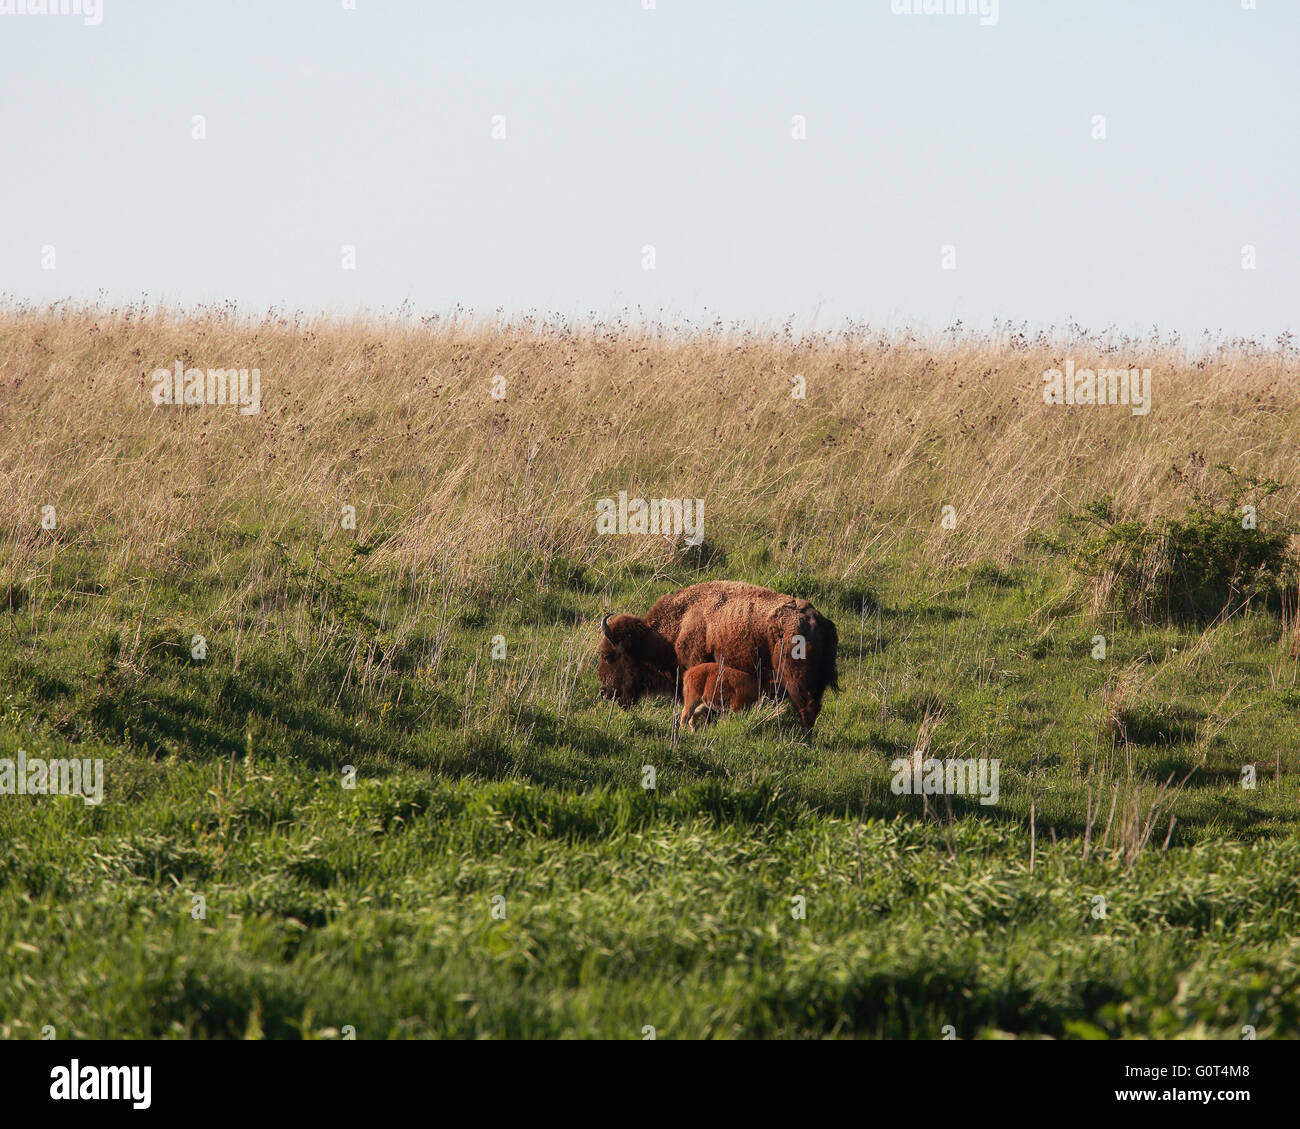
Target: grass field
x=391, y=831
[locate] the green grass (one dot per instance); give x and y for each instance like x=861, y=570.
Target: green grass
x=372, y=906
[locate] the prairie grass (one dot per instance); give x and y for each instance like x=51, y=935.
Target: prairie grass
x=374, y=654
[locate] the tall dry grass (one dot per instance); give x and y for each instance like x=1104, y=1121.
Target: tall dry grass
x=398, y=420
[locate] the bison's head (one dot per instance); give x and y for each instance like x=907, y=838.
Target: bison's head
x=635, y=660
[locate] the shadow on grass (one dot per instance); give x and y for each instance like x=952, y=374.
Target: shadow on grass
x=1160, y=725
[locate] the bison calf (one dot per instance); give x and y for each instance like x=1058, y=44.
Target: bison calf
x=711, y=689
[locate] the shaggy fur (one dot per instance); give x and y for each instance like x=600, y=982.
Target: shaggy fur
x=743, y=627
x=711, y=689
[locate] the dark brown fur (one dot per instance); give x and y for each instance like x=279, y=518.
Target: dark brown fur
x=739, y=625
x=711, y=689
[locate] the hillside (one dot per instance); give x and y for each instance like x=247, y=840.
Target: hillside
x=337, y=658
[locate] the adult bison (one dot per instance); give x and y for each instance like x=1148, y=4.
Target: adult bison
x=786, y=643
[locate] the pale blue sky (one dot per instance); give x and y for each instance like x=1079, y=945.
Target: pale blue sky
x=669, y=127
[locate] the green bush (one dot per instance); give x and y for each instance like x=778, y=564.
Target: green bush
x=1213, y=559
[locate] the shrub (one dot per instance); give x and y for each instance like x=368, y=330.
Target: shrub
x=1217, y=557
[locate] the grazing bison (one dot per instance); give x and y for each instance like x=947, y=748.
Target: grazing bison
x=711, y=689
x=787, y=644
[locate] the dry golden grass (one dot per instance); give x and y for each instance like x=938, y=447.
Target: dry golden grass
x=398, y=421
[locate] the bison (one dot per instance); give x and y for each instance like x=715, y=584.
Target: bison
x=786, y=643
x=711, y=689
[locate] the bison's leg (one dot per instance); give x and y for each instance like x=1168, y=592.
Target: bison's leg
x=793, y=679
x=687, y=709
x=710, y=698
x=691, y=687
x=699, y=694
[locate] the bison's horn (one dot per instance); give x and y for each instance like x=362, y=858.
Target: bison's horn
x=604, y=626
